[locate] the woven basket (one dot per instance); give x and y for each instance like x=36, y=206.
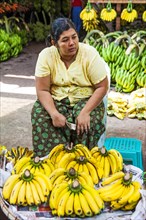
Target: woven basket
x=6, y=210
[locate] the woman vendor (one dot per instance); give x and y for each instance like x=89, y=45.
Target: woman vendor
x=71, y=82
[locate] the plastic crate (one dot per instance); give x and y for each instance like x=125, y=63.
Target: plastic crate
x=130, y=149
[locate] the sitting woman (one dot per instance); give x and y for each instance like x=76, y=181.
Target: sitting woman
x=71, y=82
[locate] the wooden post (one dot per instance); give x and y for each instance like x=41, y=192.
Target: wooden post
x=118, y=19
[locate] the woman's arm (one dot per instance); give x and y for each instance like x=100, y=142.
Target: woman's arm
x=45, y=97
x=83, y=119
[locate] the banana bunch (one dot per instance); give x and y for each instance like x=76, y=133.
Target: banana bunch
x=129, y=14
x=60, y=150
x=112, y=52
x=89, y=17
x=80, y=164
x=108, y=161
x=108, y=13
x=144, y=16
x=120, y=191
x=35, y=165
x=60, y=175
x=15, y=153
x=136, y=107
x=75, y=199
x=27, y=189
x=117, y=105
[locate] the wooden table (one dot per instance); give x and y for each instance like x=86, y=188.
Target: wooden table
x=118, y=7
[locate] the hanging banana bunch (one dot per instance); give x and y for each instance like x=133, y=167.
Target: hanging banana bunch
x=108, y=13
x=89, y=17
x=129, y=14
x=144, y=16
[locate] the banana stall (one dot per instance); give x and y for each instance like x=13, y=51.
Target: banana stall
x=72, y=182
x=118, y=7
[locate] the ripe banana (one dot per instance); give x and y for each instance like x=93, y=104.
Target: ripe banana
x=84, y=204
x=112, y=178
x=62, y=204
x=9, y=185
x=77, y=205
x=15, y=191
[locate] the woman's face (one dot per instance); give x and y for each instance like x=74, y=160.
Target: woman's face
x=68, y=43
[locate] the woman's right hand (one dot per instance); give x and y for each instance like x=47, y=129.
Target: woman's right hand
x=58, y=119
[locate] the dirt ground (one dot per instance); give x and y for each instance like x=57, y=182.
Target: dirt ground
x=18, y=95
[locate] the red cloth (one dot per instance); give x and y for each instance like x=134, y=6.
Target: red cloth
x=76, y=3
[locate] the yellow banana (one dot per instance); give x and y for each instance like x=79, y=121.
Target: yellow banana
x=84, y=150
x=91, y=202
x=115, y=205
x=136, y=195
x=50, y=164
x=55, y=174
x=112, y=178
x=62, y=204
x=113, y=194
x=124, y=198
x=93, y=172
x=113, y=163
x=106, y=171
x=46, y=168
x=42, y=197
x=85, y=169
x=130, y=206
x=42, y=184
x=45, y=179
x=35, y=195
x=80, y=169
x=77, y=206
x=71, y=164
x=69, y=208
x=20, y=164
x=118, y=157
x=87, y=178
x=60, y=196
x=95, y=195
x=22, y=194
x=100, y=169
x=84, y=204
x=109, y=188
x=94, y=150
x=54, y=151
x=29, y=195
x=15, y=191
x=55, y=194
x=9, y=185
x=66, y=159
x=59, y=180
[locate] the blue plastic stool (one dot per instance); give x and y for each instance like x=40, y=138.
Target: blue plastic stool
x=130, y=149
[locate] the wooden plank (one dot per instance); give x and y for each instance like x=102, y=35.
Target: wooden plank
x=119, y=1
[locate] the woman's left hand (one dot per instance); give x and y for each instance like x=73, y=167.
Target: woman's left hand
x=83, y=123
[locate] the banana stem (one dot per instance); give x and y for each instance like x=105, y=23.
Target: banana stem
x=109, y=6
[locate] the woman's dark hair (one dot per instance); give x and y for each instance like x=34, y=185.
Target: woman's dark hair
x=58, y=26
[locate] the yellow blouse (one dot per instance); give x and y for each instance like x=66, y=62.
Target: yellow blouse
x=77, y=81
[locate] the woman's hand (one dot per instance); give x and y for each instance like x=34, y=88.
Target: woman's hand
x=58, y=120
x=83, y=123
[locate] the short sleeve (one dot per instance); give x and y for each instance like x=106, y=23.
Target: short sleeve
x=42, y=68
x=98, y=68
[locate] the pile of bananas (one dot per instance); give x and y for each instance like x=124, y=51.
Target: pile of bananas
x=60, y=175
x=89, y=18
x=117, y=105
x=27, y=189
x=108, y=161
x=34, y=165
x=144, y=16
x=75, y=199
x=60, y=150
x=136, y=107
x=141, y=77
x=120, y=191
x=15, y=153
x=129, y=14
x=80, y=164
x=108, y=13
